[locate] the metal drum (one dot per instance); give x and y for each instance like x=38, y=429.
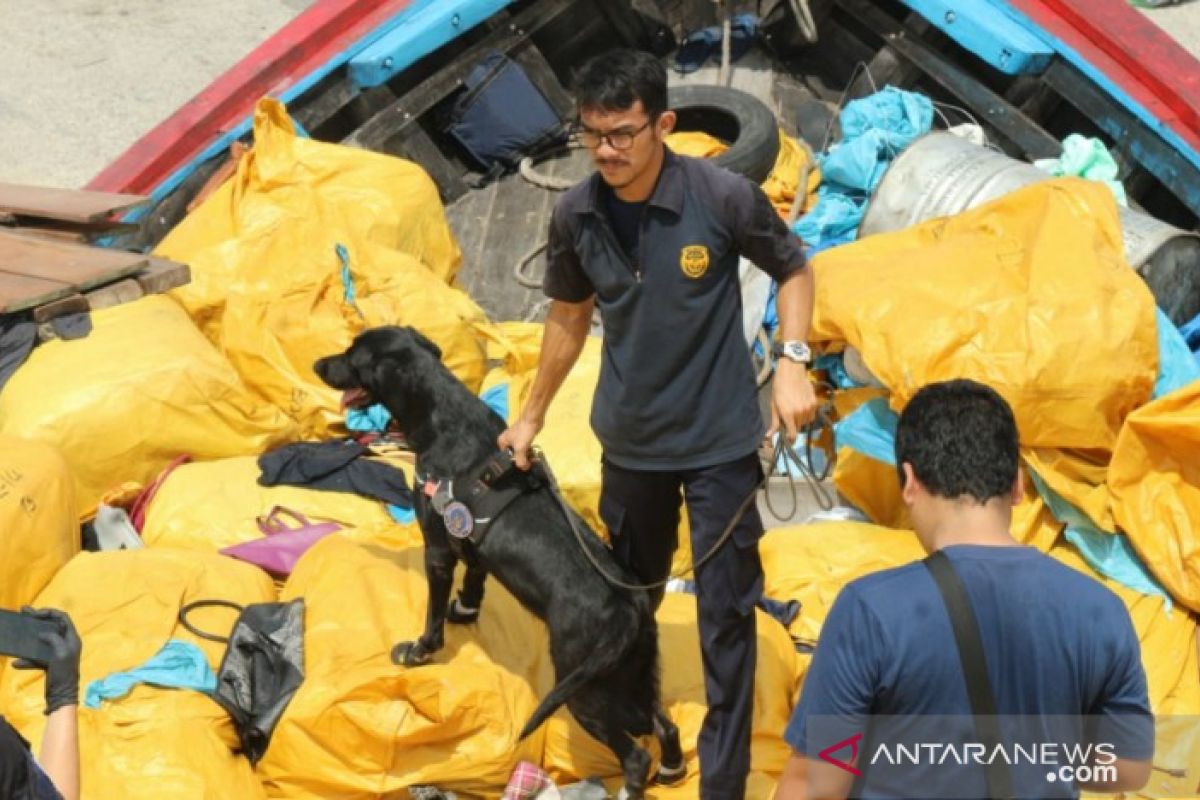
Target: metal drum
x=941, y=174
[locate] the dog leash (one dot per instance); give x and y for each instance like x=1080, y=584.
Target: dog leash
x=781, y=451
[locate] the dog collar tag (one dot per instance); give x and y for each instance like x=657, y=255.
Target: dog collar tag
x=458, y=519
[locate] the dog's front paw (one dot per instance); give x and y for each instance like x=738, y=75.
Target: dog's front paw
x=459, y=614
x=670, y=775
x=410, y=654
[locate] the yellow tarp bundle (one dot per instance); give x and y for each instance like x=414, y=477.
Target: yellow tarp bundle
x=811, y=563
x=213, y=504
x=153, y=743
x=361, y=727
x=308, y=244
x=874, y=488
x=780, y=185
x=39, y=525
x=567, y=438
x=142, y=388
x=1155, y=482
x=1029, y=294
x=1169, y=656
x=1078, y=476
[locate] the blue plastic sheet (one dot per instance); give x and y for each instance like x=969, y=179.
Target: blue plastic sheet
x=874, y=131
x=1191, y=335
x=1177, y=366
x=871, y=430
x=496, y=399
x=402, y=514
x=178, y=665
x=834, y=365
x=372, y=419
x=1110, y=554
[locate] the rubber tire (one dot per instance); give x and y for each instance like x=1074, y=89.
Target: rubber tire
x=732, y=116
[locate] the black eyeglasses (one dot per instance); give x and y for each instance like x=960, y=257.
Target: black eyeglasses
x=617, y=140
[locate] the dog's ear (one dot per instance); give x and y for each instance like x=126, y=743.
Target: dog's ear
x=386, y=385
x=421, y=340
x=382, y=376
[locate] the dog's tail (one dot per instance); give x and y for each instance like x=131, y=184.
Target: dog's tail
x=605, y=658
x=561, y=692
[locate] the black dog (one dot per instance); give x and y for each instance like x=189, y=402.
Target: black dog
x=603, y=639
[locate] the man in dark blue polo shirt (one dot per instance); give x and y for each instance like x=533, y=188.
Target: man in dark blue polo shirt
x=654, y=240
x=1059, y=651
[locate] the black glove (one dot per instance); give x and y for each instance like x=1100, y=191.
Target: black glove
x=62, y=670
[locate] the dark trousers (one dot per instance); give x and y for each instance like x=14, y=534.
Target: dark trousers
x=641, y=510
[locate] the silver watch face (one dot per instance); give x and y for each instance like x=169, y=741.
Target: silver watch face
x=797, y=351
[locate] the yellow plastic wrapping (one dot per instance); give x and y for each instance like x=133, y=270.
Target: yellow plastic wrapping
x=780, y=185
x=361, y=727
x=571, y=754
x=154, y=743
x=39, y=526
x=142, y=388
x=811, y=563
x=1155, y=483
x=874, y=488
x=1030, y=294
x=308, y=244
x=1079, y=477
x=1169, y=656
x=567, y=438
x=210, y=505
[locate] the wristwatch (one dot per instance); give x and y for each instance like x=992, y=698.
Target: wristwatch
x=795, y=351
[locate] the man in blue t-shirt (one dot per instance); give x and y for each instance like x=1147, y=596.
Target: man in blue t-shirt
x=885, y=711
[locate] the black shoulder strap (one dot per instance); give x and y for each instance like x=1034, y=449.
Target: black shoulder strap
x=974, y=665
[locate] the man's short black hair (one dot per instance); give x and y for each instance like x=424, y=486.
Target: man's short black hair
x=961, y=439
x=615, y=80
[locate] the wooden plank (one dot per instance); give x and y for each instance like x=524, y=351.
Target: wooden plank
x=71, y=304
x=502, y=224
x=393, y=120
x=19, y=292
x=314, y=109
x=416, y=145
x=991, y=108
x=50, y=234
x=77, y=232
x=114, y=294
x=161, y=275
x=468, y=218
x=68, y=205
x=74, y=266
x=887, y=66
x=624, y=22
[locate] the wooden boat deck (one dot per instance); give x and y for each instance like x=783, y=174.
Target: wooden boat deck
x=498, y=225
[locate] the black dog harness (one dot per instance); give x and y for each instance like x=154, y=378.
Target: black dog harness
x=469, y=504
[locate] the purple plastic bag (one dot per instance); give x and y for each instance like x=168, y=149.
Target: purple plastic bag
x=282, y=546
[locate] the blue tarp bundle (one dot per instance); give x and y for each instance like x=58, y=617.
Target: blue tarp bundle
x=874, y=131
